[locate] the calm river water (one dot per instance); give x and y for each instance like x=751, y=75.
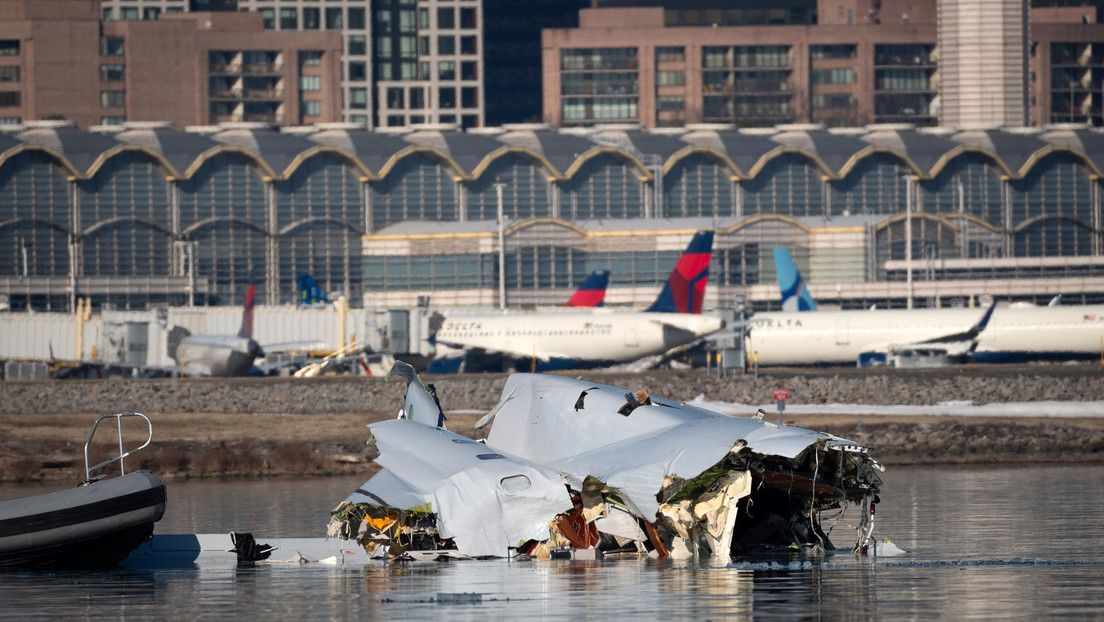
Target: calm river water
x=994, y=543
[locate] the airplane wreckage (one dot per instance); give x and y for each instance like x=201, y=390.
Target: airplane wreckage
x=569, y=464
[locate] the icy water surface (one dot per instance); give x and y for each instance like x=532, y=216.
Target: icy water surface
x=992, y=543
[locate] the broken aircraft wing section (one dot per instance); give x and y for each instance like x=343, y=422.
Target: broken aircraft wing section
x=482, y=499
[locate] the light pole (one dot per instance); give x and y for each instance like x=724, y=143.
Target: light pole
x=910, y=188
x=499, y=184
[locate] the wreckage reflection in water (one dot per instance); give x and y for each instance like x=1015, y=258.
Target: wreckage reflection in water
x=1002, y=543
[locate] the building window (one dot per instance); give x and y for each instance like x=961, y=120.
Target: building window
x=423, y=46
x=417, y=98
x=151, y=12
x=289, y=19
x=358, y=45
x=447, y=118
x=469, y=70
x=111, y=46
x=598, y=58
x=107, y=15
x=112, y=120
x=310, y=83
x=446, y=70
x=358, y=71
x=467, y=19
x=408, y=71
x=311, y=58
x=423, y=19
x=10, y=99
x=469, y=97
x=670, y=102
x=446, y=44
x=825, y=101
x=112, y=99
x=111, y=73
x=358, y=98
x=415, y=119
x=129, y=12
x=311, y=18
x=312, y=108
x=359, y=118
x=9, y=47
x=333, y=19
x=670, y=78
x=356, y=19
x=269, y=16
x=469, y=120
x=9, y=73
x=468, y=45
x=395, y=98
x=10, y=120
x=423, y=70
x=671, y=54
x=818, y=52
x=446, y=97
x=395, y=120
x=446, y=18
x=831, y=76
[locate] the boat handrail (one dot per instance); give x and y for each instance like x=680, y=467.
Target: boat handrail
x=119, y=421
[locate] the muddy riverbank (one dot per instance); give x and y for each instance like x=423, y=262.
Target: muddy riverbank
x=275, y=427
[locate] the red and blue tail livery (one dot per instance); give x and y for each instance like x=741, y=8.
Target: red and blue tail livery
x=684, y=291
x=592, y=293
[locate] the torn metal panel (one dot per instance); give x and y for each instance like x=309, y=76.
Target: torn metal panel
x=421, y=403
x=386, y=488
x=641, y=473
x=552, y=417
x=485, y=500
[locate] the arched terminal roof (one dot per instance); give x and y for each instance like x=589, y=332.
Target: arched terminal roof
x=745, y=151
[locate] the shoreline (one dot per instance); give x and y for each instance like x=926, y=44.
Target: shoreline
x=242, y=447
x=290, y=427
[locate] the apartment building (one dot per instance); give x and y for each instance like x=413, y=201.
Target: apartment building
x=58, y=60
x=834, y=62
x=402, y=62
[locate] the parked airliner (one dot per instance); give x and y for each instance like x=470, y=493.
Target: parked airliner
x=1012, y=333
x=553, y=340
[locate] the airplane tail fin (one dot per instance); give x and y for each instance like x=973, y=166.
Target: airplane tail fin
x=795, y=294
x=247, y=313
x=309, y=291
x=685, y=288
x=592, y=292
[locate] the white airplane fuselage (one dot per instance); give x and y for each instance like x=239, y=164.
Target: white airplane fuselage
x=584, y=338
x=839, y=337
x=216, y=355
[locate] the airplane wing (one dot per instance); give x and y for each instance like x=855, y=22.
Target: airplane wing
x=951, y=344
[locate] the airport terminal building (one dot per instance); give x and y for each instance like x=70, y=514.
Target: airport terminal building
x=144, y=215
